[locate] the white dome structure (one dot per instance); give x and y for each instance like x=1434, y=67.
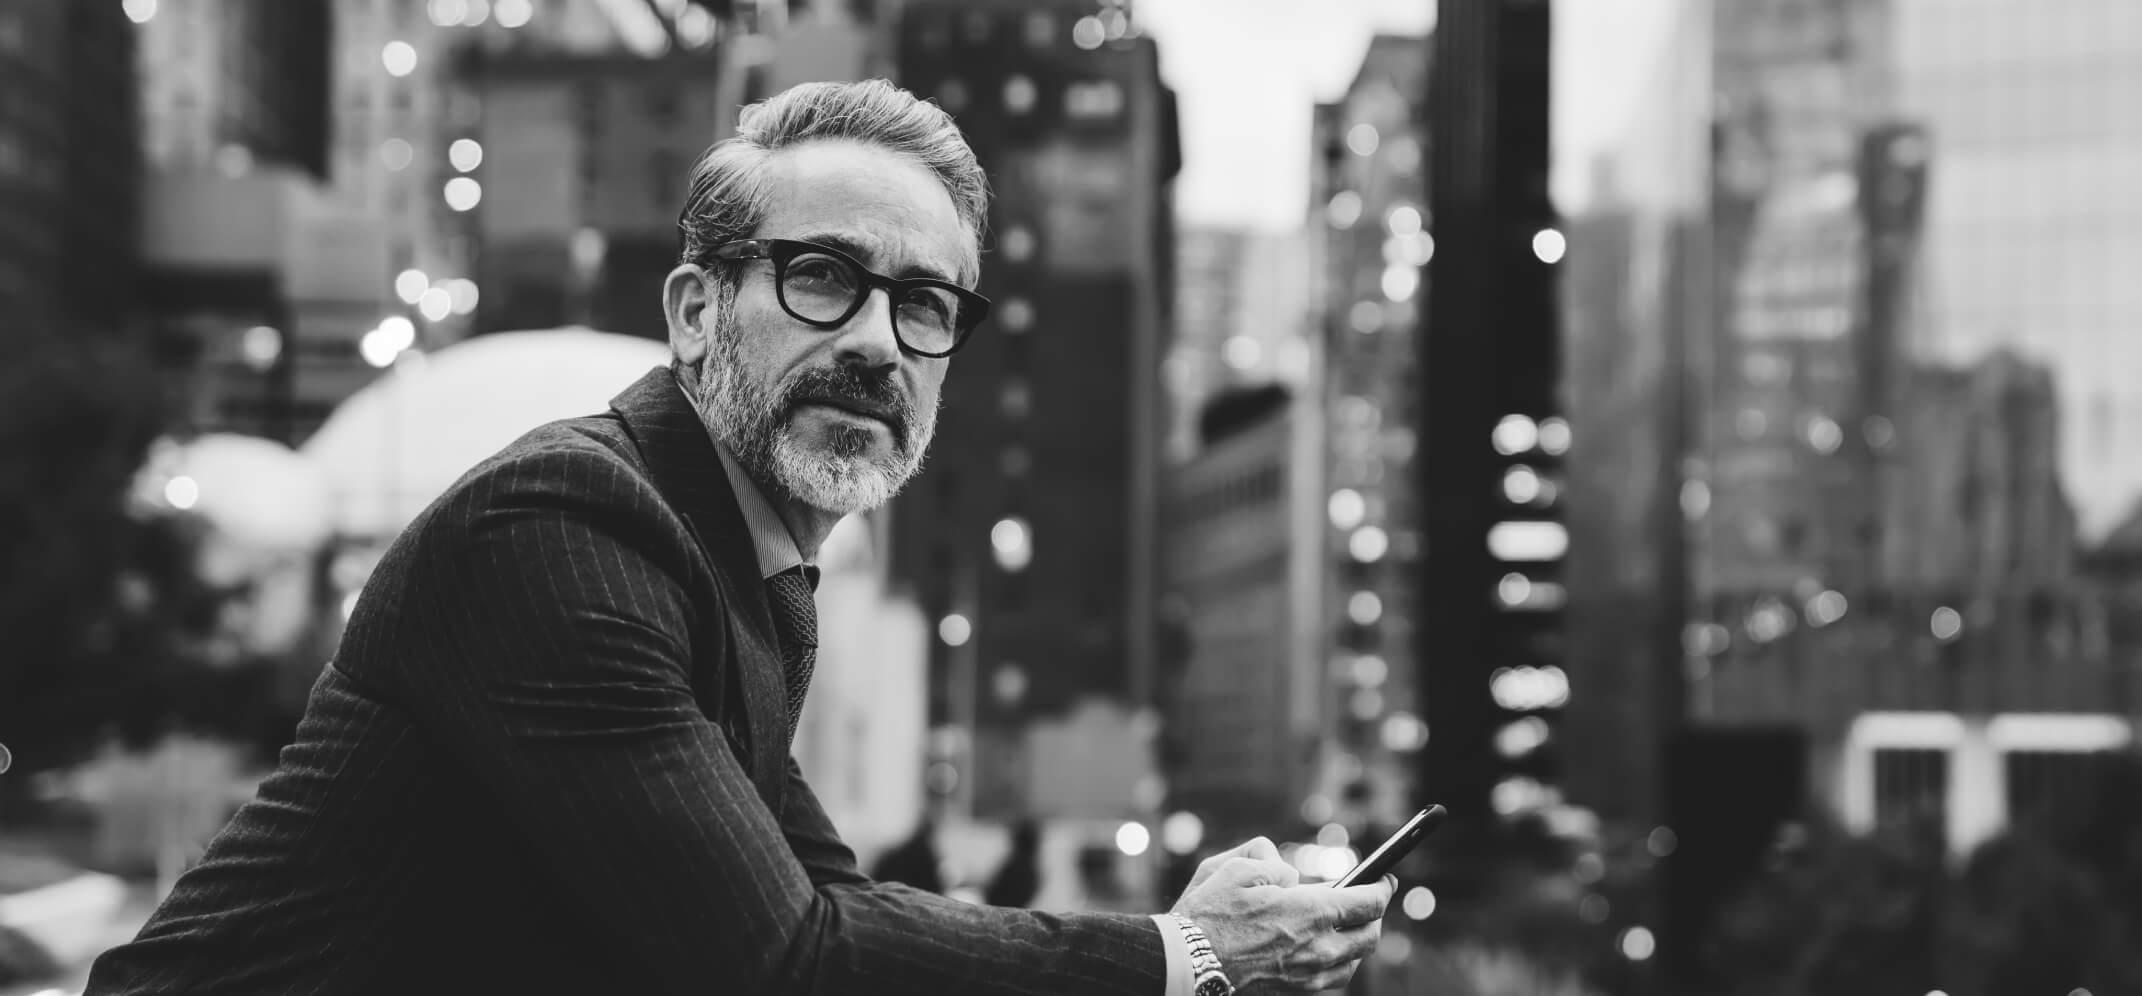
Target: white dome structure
x=397, y=444
x=256, y=492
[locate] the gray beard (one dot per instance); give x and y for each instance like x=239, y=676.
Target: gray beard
x=753, y=422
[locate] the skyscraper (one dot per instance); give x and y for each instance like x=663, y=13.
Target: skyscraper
x=240, y=283
x=1849, y=326
x=1369, y=183
x=1241, y=301
x=1034, y=523
x=70, y=163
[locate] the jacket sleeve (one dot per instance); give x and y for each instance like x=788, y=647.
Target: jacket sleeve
x=812, y=838
x=540, y=642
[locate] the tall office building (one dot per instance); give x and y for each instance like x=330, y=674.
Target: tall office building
x=587, y=158
x=1241, y=675
x=1035, y=522
x=1241, y=307
x=236, y=82
x=410, y=120
x=1369, y=193
x=587, y=153
x=1247, y=701
x=235, y=111
x=1853, y=331
x=1892, y=465
x=70, y=164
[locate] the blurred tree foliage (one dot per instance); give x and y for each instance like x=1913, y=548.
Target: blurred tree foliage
x=76, y=417
x=2053, y=906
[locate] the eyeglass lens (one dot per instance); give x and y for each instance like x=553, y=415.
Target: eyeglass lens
x=821, y=288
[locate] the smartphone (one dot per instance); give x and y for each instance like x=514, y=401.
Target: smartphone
x=1387, y=854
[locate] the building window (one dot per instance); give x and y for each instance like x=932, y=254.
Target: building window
x=976, y=27
x=1020, y=94
x=1093, y=100
x=1016, y=315
x=587, y=97
x=2041, y=783
x=1014, y=462
x=1911, y=787
x=1041, y=29
x=932, y=34
x=952, y=95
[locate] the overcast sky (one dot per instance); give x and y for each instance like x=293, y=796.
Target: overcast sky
x=1247, y=72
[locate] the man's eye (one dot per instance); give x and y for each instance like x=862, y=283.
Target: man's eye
x=820, y=271
x=935, y=304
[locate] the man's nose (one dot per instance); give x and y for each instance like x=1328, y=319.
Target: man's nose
x=868, y=340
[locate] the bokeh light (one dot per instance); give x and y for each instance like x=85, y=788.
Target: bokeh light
x=513, y=13
x=1638, y=944
x=465, y=154
x=463, y=193
x=399, y=57
x=1132, y=839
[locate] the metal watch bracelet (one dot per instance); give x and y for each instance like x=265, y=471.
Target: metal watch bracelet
x=1207, y=977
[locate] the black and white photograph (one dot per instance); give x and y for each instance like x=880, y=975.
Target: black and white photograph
x=1071, y=497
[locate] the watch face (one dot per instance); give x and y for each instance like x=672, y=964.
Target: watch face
x=1214, y=985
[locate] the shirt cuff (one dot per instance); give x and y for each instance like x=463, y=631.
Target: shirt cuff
x=1181, y=980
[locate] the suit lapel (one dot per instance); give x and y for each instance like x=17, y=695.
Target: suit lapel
x=688, y=472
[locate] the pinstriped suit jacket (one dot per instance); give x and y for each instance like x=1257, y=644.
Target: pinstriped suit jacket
x=549, y=758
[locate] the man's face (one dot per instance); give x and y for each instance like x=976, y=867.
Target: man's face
x=839, y=418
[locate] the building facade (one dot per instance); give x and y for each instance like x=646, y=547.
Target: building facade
x=1032, y=533
x=1241, y=310
x=1248, y=700
x=239, y=281
x=1854, y=453
x=70, y=167
x=1369, y=212
x=588, y=151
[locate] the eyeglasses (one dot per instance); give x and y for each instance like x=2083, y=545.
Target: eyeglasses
x=824, y=287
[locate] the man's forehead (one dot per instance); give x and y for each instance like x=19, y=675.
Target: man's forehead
x=883, y=207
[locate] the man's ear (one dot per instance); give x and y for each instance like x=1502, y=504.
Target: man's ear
x=687, y=307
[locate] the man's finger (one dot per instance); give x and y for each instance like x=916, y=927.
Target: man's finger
x=1286, y=875
x=1260, y=848
x=1255, y=847
x=1333, y=978
x=1246, y=872
x=1360, y=939
x=1359, y=903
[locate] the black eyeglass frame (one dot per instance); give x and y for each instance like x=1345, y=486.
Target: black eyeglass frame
x=973, y=307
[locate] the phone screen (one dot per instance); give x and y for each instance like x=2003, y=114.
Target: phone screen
x=1387, y=854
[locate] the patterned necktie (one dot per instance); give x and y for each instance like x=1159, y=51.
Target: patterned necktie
x=795, y=615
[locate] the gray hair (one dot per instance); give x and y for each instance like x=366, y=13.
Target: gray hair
x=728, y=197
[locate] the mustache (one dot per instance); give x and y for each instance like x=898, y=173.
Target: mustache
x=866, y=387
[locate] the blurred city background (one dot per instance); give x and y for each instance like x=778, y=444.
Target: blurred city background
x=1699, y=442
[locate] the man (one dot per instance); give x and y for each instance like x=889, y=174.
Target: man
x=552, y=754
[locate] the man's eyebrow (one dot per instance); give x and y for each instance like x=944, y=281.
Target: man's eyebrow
x=868, y=255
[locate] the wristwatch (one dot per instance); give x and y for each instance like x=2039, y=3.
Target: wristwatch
x=1207, y=979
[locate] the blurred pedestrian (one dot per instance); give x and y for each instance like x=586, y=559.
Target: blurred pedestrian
x=913, y=861
x=1018, y=879
x=552, y=753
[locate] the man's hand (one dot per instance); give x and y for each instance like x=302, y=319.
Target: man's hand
x=1274, y=934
